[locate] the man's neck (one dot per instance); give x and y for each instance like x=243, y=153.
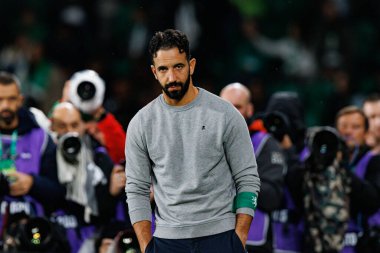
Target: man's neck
x=376, y=149
x=190, y=95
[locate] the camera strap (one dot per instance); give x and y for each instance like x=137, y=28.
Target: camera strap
x=7, y=164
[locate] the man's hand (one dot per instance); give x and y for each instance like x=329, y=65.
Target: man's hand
x=21, y=183
x=117, y=180
x=93, y=130
x=286, y=142
x=243, y=223
x=143, y=233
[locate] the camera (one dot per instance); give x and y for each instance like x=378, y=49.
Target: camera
x=34, y=234
x=86, y=90
x=277, y=124
x=70, y=145
x=127, y=242
x=324, y=144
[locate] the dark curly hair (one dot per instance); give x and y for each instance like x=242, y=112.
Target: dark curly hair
x=168, y=39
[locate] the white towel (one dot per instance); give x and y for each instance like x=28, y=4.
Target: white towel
x=81, y=178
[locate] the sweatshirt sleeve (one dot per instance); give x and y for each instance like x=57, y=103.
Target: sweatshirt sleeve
x=138, y=173
x=239, y=153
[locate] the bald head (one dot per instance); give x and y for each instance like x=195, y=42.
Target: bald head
x=66, y=118
x=240, y=97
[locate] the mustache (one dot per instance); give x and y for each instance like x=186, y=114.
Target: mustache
x=173, y=84
x=7, y=111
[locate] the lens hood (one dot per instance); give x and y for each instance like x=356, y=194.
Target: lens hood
x=86, y=90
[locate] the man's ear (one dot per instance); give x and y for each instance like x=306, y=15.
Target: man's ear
x=21, y=99
x=154, y=71
x=251, y=109
x=192, y=64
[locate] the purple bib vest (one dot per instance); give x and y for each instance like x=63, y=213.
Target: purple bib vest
x=288, y=227
x=257, y=234
x=76, y=234
x=29, y=150
x=352, y=234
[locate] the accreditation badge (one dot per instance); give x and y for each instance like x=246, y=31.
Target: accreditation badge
x=7, y=166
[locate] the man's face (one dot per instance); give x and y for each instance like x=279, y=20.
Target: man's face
x=372, y=111
x=67, y=120
x=240, y=100
x=173, y=72
x=10, y=102
x=352, y=128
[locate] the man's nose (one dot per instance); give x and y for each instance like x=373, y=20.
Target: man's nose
x=4, y=103
x=171, y=76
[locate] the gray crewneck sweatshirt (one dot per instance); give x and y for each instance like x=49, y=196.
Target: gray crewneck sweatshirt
x=198, y=157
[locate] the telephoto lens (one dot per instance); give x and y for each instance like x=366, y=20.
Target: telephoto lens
x=277, y=124
x=86, y=90
x=324, y=144
x=70, y=145
x=37, y=233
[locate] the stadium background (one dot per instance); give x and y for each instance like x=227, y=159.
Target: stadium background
x=326, y=50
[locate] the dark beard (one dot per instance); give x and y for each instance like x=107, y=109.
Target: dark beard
x=178, y=94
x=7, y=119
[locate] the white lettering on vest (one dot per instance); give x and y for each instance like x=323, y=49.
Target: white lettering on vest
x=350, y=239
x=67, y=221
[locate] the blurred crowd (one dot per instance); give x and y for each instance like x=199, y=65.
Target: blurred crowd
x=323, y=55
x=325, y=50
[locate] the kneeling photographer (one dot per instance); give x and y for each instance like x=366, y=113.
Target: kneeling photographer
x=320, y=188
x=84, y=167
x=23, y=233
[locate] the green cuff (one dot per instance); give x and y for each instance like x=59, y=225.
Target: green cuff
x=245, y=199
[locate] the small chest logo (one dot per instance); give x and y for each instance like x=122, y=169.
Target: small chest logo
x=203, y=127
x=25, y=155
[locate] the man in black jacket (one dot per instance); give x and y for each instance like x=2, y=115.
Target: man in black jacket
x=271, y=167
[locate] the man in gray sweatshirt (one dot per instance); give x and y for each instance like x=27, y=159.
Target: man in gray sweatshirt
x=195, y=149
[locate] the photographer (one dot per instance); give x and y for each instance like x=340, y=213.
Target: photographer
x=85, y=90
x=356, y=183
x=27, y=234
x=320, y=188
x=84, y=168
x=363, y=169
x=284, y=120
x=271, y=167
x=29, y=182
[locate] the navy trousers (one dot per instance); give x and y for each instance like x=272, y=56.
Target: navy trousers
x=227, y=242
